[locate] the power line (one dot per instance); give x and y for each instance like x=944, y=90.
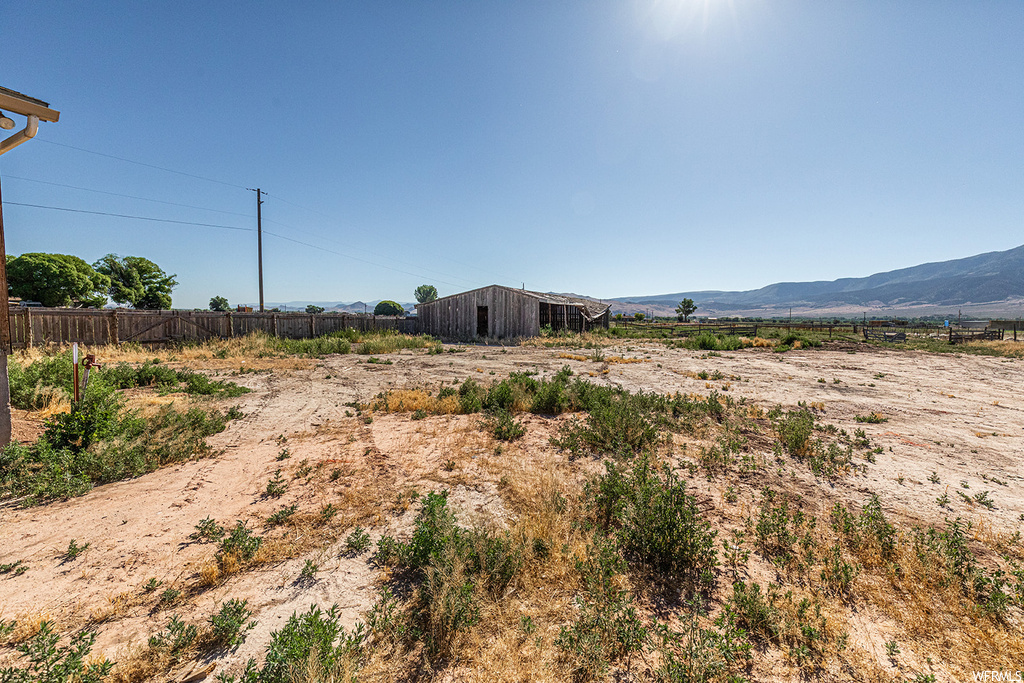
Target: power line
x=139, y=163
x=228, y=227
x=219, y=182
x=368, y=251
x=320, y=213
x=355, y=258
x=121, y=215
x=128, y=196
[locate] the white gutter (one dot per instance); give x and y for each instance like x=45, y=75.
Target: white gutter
x=31, y=128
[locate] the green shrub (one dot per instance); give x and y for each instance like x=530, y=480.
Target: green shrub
x=358, y=540
x=176, y=639
x=501, y=425
x=313, y=636
x=92, y=420
x=607, y=628
x=795, y=428
x=708, y=341
x=778, y=619
x=656, y=523
x=241, y=543
x=694, y=653
x=622, y=426
x=50, y=662
x=447, y=564
x=34, y=385
x=471, y=397
x=92, y=445
x=780, y=527
x=125, y=376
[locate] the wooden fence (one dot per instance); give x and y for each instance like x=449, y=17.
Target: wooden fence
x=39, y=326
x=964, y=336
x=883, y=336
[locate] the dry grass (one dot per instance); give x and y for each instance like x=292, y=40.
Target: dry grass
x=1005, y=347
x=27, y=624
x=135, y=664
x=411, y=400
x=498, y=648
x=938, y=620
x=116, y=606
x=249, y=353
x=587, y=339
x=757, y=342
x=57, y=402
x=620, y=359
x=597, y=358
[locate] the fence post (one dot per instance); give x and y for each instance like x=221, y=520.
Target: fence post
x=112, y=332
x=231, y=325
x=29, y=339
x=312, y=325
x=274, y=324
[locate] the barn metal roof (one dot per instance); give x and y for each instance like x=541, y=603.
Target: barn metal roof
x=591, y=309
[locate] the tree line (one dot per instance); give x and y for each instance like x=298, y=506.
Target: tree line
x=62, y=280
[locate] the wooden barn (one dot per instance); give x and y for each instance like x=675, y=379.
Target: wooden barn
x=498, y=312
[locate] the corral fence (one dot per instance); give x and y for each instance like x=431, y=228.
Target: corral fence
x=882, y=336
x=743, y=329
x=872, y=330
x=40, y=326
x=964, y=336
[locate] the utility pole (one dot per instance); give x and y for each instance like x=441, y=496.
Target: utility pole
x=259, y=236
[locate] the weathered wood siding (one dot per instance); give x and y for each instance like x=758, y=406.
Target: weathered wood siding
x=509, y=314
x=38, y=326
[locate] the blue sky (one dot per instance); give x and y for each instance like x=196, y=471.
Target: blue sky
x=603, y=148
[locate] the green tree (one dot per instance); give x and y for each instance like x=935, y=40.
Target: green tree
x=638, y=315
x=425, y=293
x=137, y=281
x=388, y=308
x=685, y=309
x=56, y=280
x=314, y=309
x=219, y=303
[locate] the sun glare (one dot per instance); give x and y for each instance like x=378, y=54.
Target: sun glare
x=670, y=18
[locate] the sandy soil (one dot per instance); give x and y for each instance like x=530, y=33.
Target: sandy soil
x=959, y=416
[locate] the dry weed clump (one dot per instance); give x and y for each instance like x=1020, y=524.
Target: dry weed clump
x=26, y=625
x=412, y=400
x=56, y=402
x=758, y=342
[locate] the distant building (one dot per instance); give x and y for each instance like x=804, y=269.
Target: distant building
x=498, y=312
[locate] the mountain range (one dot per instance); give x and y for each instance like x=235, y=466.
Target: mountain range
x=991, y=283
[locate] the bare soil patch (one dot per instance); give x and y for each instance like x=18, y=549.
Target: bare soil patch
x=952, y=423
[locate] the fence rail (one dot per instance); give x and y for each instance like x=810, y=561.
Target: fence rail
x=39, y=326
x=964, y=336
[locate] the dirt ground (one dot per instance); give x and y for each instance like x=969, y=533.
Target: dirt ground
x=957, y=416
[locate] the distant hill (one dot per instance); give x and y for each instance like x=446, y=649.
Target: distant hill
x=331, y=306
x=993, y=282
